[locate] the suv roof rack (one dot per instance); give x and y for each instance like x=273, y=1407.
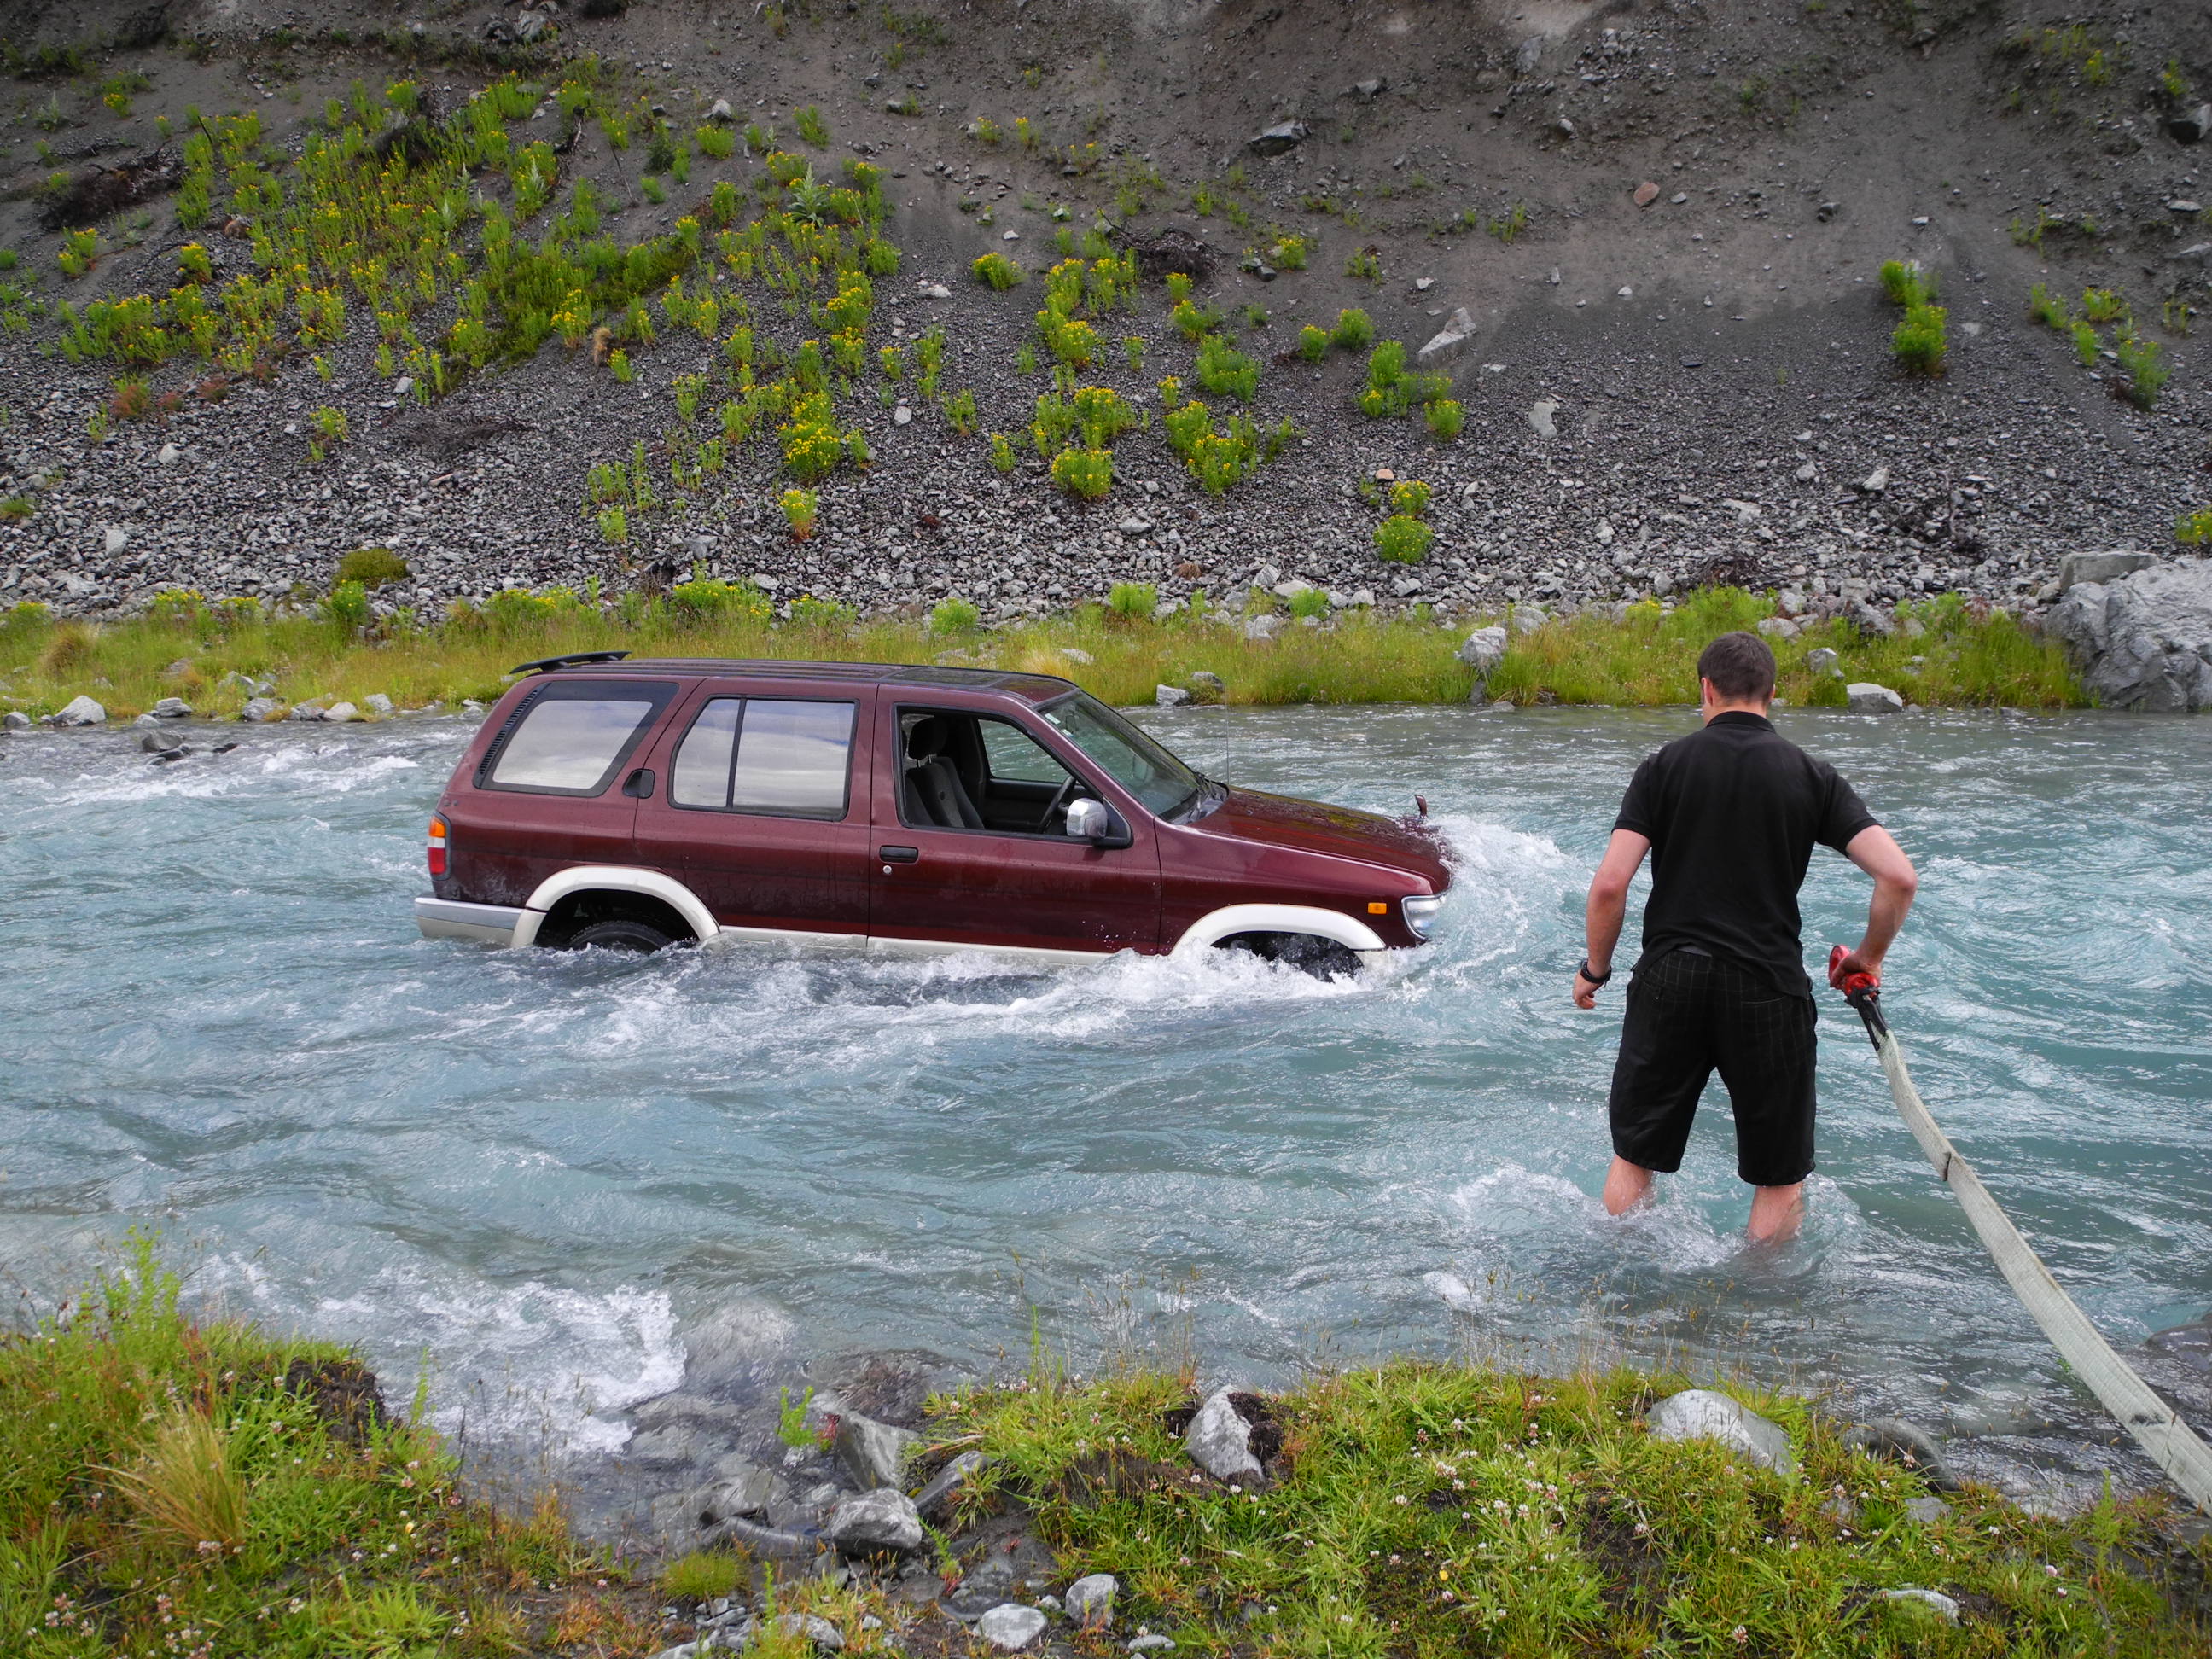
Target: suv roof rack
x=545, y=664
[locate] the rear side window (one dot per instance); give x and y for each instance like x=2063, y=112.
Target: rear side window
x=766, y=755
x=572, y=738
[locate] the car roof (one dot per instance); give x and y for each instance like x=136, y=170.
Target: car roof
x=1031, y=688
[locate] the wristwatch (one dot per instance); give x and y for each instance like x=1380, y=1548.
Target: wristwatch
x=1595, y=979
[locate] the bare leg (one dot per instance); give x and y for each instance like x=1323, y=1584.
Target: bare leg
x=1626, y=1185
x=1777, y=1213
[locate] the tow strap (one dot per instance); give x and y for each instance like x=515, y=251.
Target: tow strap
x=2172, y=1445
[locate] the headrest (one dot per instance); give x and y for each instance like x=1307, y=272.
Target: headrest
x=925, y=739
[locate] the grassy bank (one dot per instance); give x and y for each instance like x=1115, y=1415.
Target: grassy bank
x=170, y=1488
x=185, y=648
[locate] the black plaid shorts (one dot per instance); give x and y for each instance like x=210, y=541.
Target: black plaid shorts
x=1688, y=1015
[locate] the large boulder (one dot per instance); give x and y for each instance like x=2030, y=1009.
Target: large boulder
x=1703, y=1414
x=78, y=711
x=1483, y=650
x=2142, y=640
x=1865, y=697
x=870, y=1522
x=874, y=1453
x=2078, y=567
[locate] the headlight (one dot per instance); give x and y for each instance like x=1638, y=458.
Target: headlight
x=1421, y=914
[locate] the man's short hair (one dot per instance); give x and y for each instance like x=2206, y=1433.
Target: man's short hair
x=1740, y=668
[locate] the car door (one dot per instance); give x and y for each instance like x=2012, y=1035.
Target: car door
x=1009, y=880
x=759, y=803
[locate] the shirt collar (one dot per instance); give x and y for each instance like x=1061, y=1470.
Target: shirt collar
x=1741, y=717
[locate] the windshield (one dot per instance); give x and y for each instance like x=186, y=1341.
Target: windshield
x=1135, y=762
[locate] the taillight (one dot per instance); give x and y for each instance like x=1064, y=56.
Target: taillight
x=437, y=846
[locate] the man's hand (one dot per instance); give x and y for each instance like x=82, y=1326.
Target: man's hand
x=1607, y=907
x=1585, y=990
x=1841, y=968
x=1895, y=881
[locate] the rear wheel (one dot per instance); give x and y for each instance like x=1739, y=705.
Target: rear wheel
x=621, y=933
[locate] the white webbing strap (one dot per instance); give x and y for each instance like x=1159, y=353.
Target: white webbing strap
x=2171, y=1442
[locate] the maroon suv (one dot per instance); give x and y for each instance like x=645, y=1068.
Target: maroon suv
x=635, y=804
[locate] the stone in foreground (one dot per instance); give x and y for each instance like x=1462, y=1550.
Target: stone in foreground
x=1089, y=1601
x=1703, y=1414
x=1010, y=1626
x=1868, y=698
x=874, y=1453
x=1907, y=1444
x=871, y=1521
x=1221, y=1440
x=1277, y=140
x=1938, y=1603
x=948, y=1480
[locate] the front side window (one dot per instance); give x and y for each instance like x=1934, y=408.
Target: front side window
x=1135, y=761
x=765, y=755
x=573, y=738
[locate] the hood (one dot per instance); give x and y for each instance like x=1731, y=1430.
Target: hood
x=1312, y=826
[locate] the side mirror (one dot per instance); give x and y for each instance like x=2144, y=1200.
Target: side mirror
x=1089, y=820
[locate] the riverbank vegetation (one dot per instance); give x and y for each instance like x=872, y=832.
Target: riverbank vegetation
x=214, y=654
x=173, y=1488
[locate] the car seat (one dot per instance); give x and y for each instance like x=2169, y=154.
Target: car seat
x=934, y=790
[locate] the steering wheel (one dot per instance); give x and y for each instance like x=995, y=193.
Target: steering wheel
x=1044, y=819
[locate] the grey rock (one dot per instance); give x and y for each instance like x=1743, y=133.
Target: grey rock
x=1447, y=342
x=1778, y=628
x=1868, y=620
x=1907, y=1444
x=1280, y=139
x=1868, y=698
x=816, y=1629
x=160, y=743
x=1824, y=663
x=1372, y=88
x=1483, y=650
x=902, y=416
x=78, y=711
x=2142, y=641
x=1926, y=1511
x=235, y=680
x=1539, y=418
x=531, y=26
x=2078, y=567
x=2191, y=1341
x=1220, y=1440
x=1703, y=1414
x=340, y=713
x=114, y=539
x=377, y=703
x=312, y=710
x=15, y=721
x=2197, y=253
x=168, y=455
x=948, y=1480
x=1527, y=618
x=1874, y=482
x=1010, y=1626
x=171, y=708
x=774, y=1543
x=721, y=112
x=2191, y=126
x=874, y=1453
x=871, y=1521
x=748, y=1494
x=1263, y=626
x=1149, y=1642
x=1934, y=1601
x=1206, y=687
x=937, y=291
x=1089, y=1601
x=1528, y=55
x=257, y=709
x=1169, y=696
x=1807, y=473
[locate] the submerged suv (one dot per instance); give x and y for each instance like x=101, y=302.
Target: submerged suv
x=637, y=804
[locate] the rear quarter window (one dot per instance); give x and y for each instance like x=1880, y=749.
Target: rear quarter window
x=765, y=755
x=572, y=738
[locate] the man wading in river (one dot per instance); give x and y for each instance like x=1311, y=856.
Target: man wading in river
x=1729, y=815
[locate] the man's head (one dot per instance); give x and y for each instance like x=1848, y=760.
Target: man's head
x=1736, y=670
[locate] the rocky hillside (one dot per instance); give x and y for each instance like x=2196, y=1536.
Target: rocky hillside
x=1633, y=252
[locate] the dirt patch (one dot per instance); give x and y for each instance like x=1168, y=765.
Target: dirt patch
x=1267, y=1439
x=97, y=191
x=344, y=1393
x=447, y=438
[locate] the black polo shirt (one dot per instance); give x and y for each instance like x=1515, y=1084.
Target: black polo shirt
x=1732, y=812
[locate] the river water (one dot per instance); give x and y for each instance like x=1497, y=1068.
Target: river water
x=545, y=1172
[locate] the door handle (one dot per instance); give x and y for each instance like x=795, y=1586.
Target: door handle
x=899, y=854
x=638, y=786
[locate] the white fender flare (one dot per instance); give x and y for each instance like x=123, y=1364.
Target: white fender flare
x=1218, y=925
x=614, y=878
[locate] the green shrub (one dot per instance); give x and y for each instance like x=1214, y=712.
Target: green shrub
x=812, y=128
x=1905, y=283
x=1354, y=329
x=614, y=526
x=2046, y=307
x=701, y=1576
x=2144, y=362
x=710, y=600
x=1223, y=369
x=2087, y=345
x=807, y=611
x=1313, y=344
x=373, y=568
x=2194, y=529
x=1290, y=253
x=718, y=142
x=1367, y=263
x=1309, y=602
x=1085, y=474
x=2101, y=305
x=1445, y=418
x=997, y=271
x=1193, y=319
x=1919, y=339
x=347, y=608
x=1410, y=497
x=960, y=412
x=954, y=616
x=1134, y=600
x=1002, y=452
x=1178, y=287
x=801, y=508
x=1402, y=538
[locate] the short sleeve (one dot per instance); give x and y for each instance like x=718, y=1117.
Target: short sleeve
x=1843, y=814
x=1639, y=813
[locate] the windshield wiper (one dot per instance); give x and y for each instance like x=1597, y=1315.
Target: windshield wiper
x=1205, y=798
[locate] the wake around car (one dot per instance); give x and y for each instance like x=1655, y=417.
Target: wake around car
x=634, y=805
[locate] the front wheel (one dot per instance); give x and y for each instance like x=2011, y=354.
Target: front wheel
x=622, y=933
x=1324, y=958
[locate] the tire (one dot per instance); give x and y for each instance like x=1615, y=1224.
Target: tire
x=1323, y=958
x=622, y=933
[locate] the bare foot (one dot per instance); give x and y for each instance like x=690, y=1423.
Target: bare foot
x=1777, y=1213
x=1626, y=1185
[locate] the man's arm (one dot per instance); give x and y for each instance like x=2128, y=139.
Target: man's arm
x=1609, y=906
x=1874, y=851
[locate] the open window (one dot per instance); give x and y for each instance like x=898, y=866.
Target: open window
x=960, y=770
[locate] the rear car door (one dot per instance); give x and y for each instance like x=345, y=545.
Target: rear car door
x=758, y=804
x=969, y=798
x=541, y=796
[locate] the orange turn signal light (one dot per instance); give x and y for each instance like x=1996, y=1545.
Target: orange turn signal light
x=1376, y=907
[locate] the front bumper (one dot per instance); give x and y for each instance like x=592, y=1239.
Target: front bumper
x=478, y=924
